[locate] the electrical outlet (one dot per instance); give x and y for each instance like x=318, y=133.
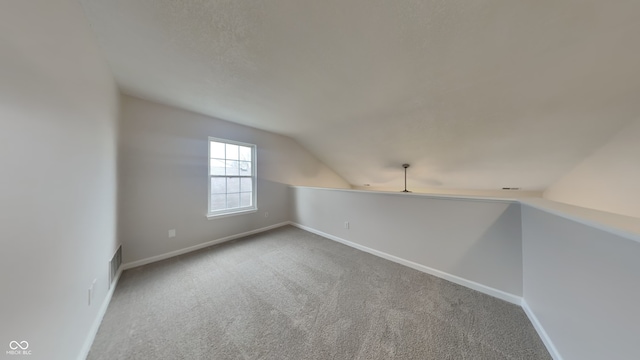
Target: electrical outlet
x=266, y=214
x=172, y=233
x=91, y=288
x=346, y=225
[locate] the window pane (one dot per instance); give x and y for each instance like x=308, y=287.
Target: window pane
x=233, y=185
x=216, y=149
x=231, y=176
x=244, y=168
x=232, y=167
x=233, y=201
x=218, y=185
x=217, y=167
x=245, y=199
x=218, y=202
x=245, y=153
x=246, y=184
x=232, y=152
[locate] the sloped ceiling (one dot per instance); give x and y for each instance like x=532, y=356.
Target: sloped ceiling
x=474, y=94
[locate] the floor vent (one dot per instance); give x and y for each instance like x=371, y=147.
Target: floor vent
x=114, y=265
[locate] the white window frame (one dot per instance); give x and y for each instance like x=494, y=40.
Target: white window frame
x=254, y=176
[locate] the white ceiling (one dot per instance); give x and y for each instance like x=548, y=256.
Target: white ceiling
x=474, y=94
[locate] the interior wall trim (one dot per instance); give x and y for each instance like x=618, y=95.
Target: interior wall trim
x=189, y=249
x=511, y=298
x=551, y=348
x=419, y=195
x=93, y=331
x=514, y=299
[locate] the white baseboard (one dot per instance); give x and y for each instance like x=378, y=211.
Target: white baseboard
x=105, y=304
x=152, y=259
x=93, y=331
x=541, y=332
x=455, y=279
x=514, y=299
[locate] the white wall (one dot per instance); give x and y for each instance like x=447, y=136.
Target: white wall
x=163, y=182
x=476, y=240
x=607, y=180
x=581, y=283
x=58, y=118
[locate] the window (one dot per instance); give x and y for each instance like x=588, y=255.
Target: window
x=232, y=177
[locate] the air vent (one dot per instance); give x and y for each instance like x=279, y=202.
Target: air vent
x=510, y=188
x=114, y=265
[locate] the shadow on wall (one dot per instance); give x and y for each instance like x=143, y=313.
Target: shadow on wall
x=151, y=207
x=504, y=233
x=291, y=164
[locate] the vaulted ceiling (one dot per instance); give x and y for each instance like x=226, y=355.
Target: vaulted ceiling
x=476, y=94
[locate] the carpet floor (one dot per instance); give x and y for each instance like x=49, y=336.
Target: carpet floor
x=290, y=294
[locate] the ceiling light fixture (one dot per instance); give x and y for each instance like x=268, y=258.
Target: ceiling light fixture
x=405, y=166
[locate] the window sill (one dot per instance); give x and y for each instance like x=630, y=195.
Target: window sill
x=232, y=213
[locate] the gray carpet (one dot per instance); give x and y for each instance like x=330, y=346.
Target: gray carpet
x=289, y=294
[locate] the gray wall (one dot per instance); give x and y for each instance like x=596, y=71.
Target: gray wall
x=163, y=178
x=58, y=115
x=477, y=240
x=575, y=268
x=582, y=285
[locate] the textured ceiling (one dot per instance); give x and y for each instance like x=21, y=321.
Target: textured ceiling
x=474, y=94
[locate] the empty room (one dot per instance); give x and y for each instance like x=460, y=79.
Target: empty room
x=360, y=179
